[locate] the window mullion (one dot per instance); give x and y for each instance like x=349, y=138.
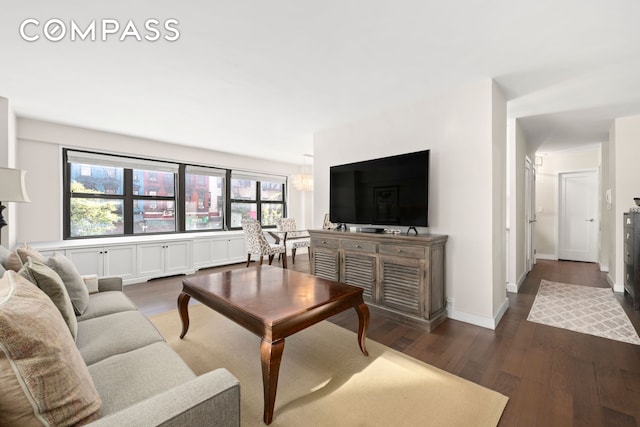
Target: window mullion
x=128, y=202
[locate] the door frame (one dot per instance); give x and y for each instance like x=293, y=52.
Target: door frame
x=560, y=199
x=529, y=214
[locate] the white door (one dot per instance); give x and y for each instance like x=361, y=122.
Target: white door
x=529, y=214
x=578, y=219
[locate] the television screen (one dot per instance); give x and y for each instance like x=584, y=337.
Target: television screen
x=387, y=191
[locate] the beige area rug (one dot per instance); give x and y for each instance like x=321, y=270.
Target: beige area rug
x=585, y=309
x=326, y=381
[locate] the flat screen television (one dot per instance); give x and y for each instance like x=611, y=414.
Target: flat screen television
x=386, y=191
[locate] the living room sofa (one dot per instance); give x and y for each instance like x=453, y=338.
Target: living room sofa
x=139, y=379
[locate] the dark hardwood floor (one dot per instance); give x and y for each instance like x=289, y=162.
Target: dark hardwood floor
x=553, y=377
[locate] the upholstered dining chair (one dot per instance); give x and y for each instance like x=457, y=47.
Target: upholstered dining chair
x=292, y=237
x=257, y=243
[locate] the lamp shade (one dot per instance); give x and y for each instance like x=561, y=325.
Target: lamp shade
x=12, y=186
x=303, y=182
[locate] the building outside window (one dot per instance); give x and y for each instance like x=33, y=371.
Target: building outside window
x=204, y=198
x=154, y=204
x=256, y=196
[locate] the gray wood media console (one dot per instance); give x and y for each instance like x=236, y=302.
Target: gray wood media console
x=402, y=276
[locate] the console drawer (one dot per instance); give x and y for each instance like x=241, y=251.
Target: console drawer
x=359, y=246
x=325, y=242
x=403, y=251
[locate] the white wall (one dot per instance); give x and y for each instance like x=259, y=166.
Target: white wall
x=8, y=160
x=547, y=193
x=40, y=153
x=519, y=150
x=612, y=212
x=606, y=208
x=465, y=130
x=627, y=185
x=498, y=194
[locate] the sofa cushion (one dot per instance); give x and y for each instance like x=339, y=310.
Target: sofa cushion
x=42, y=376
x=68, y=272
x=108, y=302
x=49, y=281
x=128, y=378
x=106, y=336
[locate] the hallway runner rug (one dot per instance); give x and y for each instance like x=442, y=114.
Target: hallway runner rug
x=325, y=381
x=585, y=309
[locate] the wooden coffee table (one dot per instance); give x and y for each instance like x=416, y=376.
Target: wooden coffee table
x=273, y=303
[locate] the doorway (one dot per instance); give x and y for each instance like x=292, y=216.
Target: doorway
x=578, y=219
x=529, y=214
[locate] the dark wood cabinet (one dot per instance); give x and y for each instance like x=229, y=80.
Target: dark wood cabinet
x=631, y=273
x=402, y=276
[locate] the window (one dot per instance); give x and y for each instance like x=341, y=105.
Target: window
x=154, y=201
x=111, y=195
x=204, y=198
x=260, y=197
x=108, y=195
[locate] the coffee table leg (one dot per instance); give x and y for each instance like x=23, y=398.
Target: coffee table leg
x=363, y=324
x=270, y=356
x=183, y=304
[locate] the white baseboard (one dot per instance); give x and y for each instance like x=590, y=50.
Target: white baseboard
x=547, y=256
x=474, y=319
x=615, y=286
x=604, y=268
x=515, y=287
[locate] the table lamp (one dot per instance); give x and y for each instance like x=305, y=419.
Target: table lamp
x=12, y=189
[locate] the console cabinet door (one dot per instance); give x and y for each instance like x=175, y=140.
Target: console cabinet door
x=360, y=270
x=402, y=284
x=324, y=263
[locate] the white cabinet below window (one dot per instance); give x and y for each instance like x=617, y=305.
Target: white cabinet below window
x=105, y=261
x=214, y=251
x=150, y=257
x=164, y=259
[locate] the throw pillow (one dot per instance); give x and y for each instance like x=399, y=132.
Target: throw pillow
x=43, y=379
x=72, y=280
x=91, y=282
x=26, y=251
x=13, y=262
x=51, y=283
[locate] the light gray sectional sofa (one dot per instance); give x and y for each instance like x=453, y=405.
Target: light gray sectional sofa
x=140, y=380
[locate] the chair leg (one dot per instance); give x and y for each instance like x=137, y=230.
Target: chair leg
x=293, y=255
x=271, y=259
x=261, y=257
x=248, y=259
x=284, y=260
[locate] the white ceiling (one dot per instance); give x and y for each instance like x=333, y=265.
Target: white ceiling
x=259, y=77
